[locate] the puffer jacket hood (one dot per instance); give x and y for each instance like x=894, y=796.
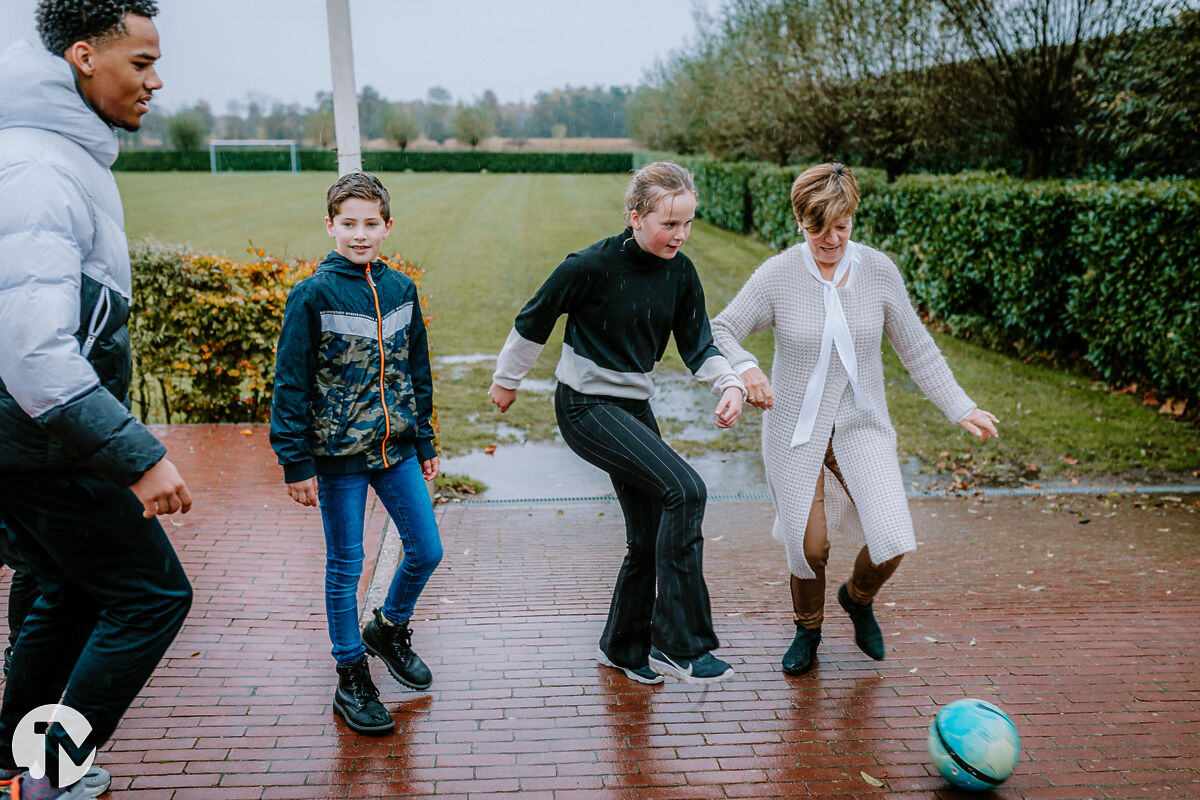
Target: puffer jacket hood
x=37, y=90
x=65, y=281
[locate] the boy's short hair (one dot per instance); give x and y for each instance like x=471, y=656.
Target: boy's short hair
x=358, y=184
x=62, y=23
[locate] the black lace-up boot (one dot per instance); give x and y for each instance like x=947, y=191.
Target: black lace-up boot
x=393, y=645
x=356, y=700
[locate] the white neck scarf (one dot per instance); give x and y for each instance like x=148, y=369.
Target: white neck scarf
x=836, y=332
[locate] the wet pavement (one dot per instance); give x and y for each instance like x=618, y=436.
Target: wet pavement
x=1077, y=615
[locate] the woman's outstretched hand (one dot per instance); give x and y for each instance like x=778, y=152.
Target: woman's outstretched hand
x=729, y=407
x=501, y=398
x=980, y=424
x=758, y=388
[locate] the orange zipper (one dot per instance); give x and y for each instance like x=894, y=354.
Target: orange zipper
x=387, y=420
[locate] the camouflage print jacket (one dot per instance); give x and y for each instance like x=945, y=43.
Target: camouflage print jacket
x=353, y=388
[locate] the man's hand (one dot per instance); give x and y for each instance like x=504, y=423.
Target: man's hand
x=304, y=492
x=758, y=388
x=729, y=408
x=161, y=490
x=501, y=398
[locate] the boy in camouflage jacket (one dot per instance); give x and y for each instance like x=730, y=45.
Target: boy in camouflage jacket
x=352, y=407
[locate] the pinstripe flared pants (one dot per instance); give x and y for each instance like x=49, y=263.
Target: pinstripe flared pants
x=663, y=501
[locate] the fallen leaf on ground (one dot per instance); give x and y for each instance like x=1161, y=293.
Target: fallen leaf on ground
x=931, y=639
x=490, y=450
x=247, y=432
x=870, y=780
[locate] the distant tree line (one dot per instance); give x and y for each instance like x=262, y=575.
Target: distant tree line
x=1040, y=88
x=596, y=112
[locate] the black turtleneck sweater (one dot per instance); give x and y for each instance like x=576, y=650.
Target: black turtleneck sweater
x=622, y=305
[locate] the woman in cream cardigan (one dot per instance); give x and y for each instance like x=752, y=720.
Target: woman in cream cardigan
x=829, y=301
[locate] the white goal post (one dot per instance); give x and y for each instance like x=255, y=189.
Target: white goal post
x=247, y=144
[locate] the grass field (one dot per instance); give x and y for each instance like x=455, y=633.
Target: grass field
x=487, y=242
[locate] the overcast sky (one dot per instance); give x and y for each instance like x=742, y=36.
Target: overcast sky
x=221, y=50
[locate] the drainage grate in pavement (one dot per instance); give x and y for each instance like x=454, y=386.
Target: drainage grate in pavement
x=987, y=491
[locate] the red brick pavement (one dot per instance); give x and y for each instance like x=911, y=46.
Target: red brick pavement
x=1077, y=618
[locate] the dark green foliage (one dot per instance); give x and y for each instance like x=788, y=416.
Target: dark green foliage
x=1142, y=119
x=1104, y=272
x=584, y=112
x=723, y=189
x=1136, y=300
x=162, y=160
x=770, y=189
x=383, y=161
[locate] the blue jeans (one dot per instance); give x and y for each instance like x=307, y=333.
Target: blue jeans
x=343, y=498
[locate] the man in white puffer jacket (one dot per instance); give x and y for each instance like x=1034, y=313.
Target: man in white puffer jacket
x=81, y=480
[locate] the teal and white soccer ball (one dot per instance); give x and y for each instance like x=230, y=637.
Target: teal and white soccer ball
x=974, y=744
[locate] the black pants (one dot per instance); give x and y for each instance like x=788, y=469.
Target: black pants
x=22, y=590
x=113, y=596
x=663, y=500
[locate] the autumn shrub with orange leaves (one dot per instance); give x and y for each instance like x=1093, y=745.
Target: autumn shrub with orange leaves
x=203, y=330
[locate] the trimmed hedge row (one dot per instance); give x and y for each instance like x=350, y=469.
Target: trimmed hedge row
x=1105, y=272
x=204, y=328
x=381, y=161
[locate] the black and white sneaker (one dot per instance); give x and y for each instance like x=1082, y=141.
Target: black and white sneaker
x=640, y=674
x=705, y=668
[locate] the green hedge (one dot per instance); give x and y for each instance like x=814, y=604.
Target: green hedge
x=1135, y=299
x=987, y=257
x=382, y=161
x=1105, y=272
x=163, y=161
x=203, y=331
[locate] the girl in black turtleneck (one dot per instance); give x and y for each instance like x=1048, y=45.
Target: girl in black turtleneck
x=624, y=296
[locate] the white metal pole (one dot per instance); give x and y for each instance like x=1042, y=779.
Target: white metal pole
x=345, y=97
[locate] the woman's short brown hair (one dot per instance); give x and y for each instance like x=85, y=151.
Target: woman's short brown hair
x=822, y=195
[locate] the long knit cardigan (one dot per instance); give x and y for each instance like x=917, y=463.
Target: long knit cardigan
x=783, y=295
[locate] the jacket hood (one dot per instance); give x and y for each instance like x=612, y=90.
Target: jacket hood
x=37, y=90
x=339, y=263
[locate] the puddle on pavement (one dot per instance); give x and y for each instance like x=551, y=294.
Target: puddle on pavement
x=539, y=470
